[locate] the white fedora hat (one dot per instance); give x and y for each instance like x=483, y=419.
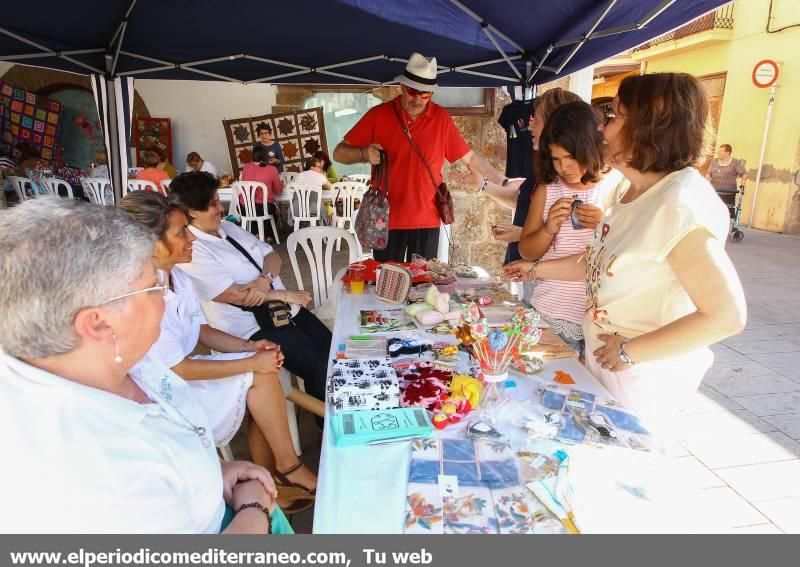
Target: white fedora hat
x=420, y=73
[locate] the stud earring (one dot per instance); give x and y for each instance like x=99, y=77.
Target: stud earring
x=117, y=356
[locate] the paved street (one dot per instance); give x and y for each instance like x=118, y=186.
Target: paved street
x=741, y=433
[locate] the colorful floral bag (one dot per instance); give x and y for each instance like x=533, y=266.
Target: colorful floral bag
x=372, y=222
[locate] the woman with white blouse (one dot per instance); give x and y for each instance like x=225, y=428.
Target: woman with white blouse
x=660, y=287
x=241, y=378
x=235, y=273
x=101, y=438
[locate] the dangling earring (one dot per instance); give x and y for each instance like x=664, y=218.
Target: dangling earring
x=117, y=356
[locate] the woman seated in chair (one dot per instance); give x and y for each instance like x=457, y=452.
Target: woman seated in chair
x=314, y=174
x=243, y=378
x=151, y=172
x=101, y=437
x=260, y=170
x=237, y=278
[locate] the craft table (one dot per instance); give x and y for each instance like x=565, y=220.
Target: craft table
x=362, y=489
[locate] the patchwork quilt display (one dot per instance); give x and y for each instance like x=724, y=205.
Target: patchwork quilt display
x=488, y=499
x=300, y=133
x=28, y=117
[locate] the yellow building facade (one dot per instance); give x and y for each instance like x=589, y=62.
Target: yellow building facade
x=724, y=59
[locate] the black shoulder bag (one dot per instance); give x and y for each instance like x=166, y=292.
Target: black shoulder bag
x=272, y=314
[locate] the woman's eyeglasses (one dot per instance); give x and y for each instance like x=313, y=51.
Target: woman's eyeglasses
x=609, y=117
x=414, y=93
x=161, y=280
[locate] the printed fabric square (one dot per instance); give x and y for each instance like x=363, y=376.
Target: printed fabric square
x=38, y=125
x=48, y=141
x=30, y=98
x=16, y=106
x=19, y=94
x=52, y=117
x=29, y=110
x=55, y=106
x=472, y=512
x=50, y=130
x=514, y=512
x=7, y=90
x=425, y=472
x=458, y=450
x=41, y=114
x=423, y=510
x=27, y=122
x=363, y=384
x=494, y=449
x=467, y=473
x=15, y=118
x=25, y=134
x=425, y=449
x=47, y=153
x=37, y=139
x=499, y=474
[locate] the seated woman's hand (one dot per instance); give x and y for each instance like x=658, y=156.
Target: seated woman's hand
x=254, y=296
x=261, y=283
x=518, y=270
x=589, y=215
x=267, y=361
x=237, y=472
x=558, y=215
x=264, y=344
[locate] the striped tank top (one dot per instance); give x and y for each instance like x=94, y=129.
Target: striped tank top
x=566, y=300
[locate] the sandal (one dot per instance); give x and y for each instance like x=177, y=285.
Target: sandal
x=299, y=500
x=283, y=481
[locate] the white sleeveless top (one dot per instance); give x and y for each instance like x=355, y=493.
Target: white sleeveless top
x=566, y=300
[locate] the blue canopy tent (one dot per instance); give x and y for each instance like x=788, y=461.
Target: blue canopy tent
x=365, y=42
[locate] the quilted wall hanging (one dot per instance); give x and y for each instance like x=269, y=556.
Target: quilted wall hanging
x=300, y=133
x=28, y=117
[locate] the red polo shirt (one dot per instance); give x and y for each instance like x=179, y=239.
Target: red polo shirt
x=412, y=201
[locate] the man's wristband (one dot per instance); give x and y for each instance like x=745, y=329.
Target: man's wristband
x=262, y=508
x=483, y=186
x=505, y=181
x=361, y=155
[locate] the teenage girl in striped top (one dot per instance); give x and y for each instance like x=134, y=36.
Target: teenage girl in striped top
x=570, y=168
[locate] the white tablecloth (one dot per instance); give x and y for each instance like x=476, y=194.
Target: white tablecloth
x=362, y=489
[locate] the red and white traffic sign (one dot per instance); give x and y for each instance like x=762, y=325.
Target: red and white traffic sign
x=765, y=73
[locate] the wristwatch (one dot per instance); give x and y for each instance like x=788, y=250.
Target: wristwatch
x=505, y=181
x=532, y=270
x=267, y=275
x=485, y=183
x=623, y=356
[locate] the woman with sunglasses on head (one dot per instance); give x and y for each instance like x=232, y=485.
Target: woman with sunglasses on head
x=101, y=437
x=660, y=287
x=565, y=209
x=242, y=378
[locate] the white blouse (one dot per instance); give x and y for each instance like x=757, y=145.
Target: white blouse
x=216, y=265
x=81, y=460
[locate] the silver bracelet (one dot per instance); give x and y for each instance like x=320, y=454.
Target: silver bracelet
x=485, y=183
x=245, y=344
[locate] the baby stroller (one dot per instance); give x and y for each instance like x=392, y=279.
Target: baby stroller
x=733, y=200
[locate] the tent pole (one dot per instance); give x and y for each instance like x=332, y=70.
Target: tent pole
x=119, y=36
x=114, y=161
x=485, y=29
x=488, y=75
x=49, y=54
x=493, y=29
x=585, y=37
x=342, y=75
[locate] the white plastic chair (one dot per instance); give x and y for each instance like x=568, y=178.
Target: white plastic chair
x=98, y=191
x=306, y=210
x=54, y=185
x=165, y=186
x=288, y=177
x=20, y=185
x=347, y=192
x=364, y=178
x=317, y=243
x=142, y=185
x=134, y=171
x=249, y=190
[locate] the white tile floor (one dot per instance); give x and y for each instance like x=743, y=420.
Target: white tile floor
x=742, y=429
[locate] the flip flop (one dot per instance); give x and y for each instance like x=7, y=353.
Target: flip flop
x=282, y=480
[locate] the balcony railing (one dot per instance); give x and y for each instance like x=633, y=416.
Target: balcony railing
x=719, y=19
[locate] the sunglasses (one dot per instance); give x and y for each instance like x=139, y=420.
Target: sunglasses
x=414, y=93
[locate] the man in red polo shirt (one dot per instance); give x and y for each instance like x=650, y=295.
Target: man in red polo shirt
x=413, y=217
